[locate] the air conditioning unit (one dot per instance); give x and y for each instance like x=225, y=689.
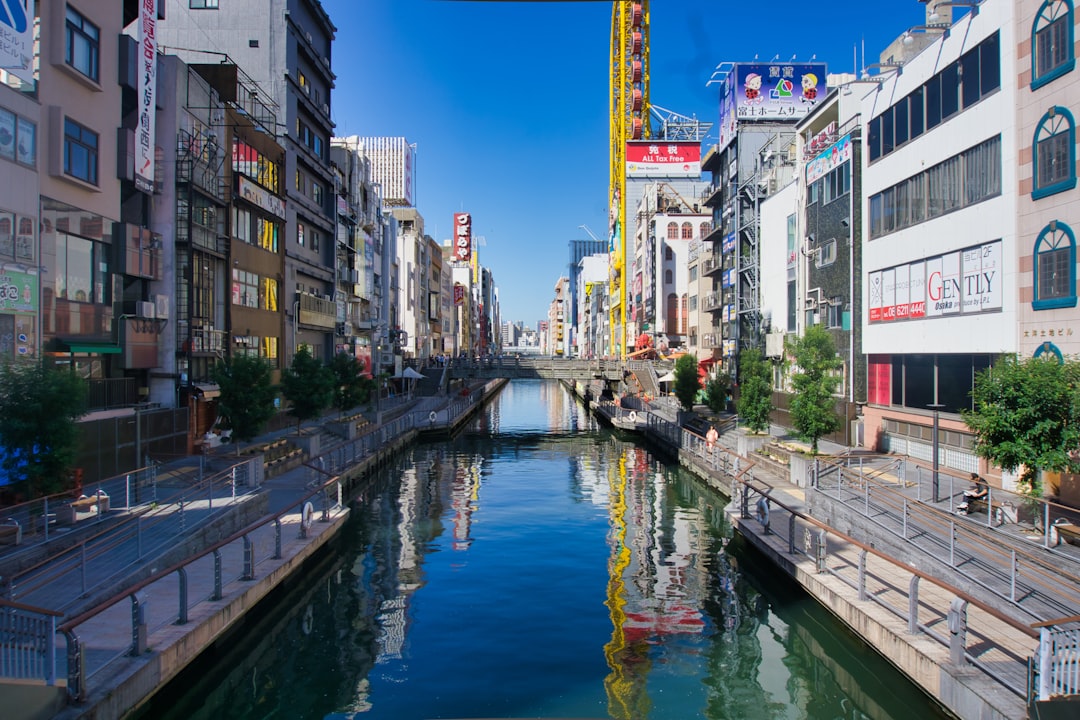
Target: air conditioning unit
x=774, y=344
x=161, y=307
x=145, y=309
x=386, y=358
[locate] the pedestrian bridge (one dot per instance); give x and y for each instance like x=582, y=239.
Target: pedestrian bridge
x=544, y=368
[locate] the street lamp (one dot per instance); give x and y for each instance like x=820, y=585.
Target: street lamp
x=936, y=407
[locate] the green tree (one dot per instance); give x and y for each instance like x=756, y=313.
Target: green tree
x=716, y=392
x=1026, y=413
x=687, y=382
x=755, y=391
x=247, y=395
x=40, y=405
x=308, y=385
x=815, y=381
x=350, y=387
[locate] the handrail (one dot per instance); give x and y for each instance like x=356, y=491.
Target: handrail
x=29, y=608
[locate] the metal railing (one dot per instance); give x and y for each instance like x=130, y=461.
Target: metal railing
x=28, y=642
x=232, y=559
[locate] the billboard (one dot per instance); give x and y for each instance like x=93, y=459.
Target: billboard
x=956, y=283
x=462, y=236
x=649, y=158
x=830, y=159
x=771, y=91
x=147, y=91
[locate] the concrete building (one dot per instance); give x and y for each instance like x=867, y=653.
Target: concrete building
x=393, y=162
x=285, y=47
x=557, y=322
x=590, y=333
x=579, y=249
x=941, y=277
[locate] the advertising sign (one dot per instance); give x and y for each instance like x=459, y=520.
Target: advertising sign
x=459, y=294
x=462, y=236
x=650, y=158
x=410, y=166
x=17, y=38
x=259, y=196
x=778, y=91
x=147, y=90
x=833, y=157
x=728, y=244
x=965, y=282
x=18, y=291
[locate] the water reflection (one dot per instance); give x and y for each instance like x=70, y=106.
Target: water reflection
x=538, y=566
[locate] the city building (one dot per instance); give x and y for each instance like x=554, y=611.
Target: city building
x=285, y=47
x=942, y=180
x=580, y=249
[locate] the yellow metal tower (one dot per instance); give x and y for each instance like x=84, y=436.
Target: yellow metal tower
x=629, y=107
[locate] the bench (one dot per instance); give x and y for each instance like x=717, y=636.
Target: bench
x=1067, y=531
x=84, y=506
x=1002, y=510
x=11, y=532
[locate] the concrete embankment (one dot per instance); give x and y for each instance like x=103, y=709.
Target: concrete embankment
x=871, y=593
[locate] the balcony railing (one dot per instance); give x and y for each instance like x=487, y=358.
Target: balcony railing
x=109, y=393
x=317, y=311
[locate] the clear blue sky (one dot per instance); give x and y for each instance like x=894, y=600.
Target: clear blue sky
x=508, y=102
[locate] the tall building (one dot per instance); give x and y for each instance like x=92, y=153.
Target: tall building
x=285, y=47
x=579, y=249
x=393, y=162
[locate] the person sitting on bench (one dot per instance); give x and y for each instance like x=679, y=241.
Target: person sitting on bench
x=978, y=490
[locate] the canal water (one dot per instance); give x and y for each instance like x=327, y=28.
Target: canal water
x=539, y=566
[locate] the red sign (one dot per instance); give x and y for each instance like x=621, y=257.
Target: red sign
x=663, y=159
x=462, y=236
x=459, y=294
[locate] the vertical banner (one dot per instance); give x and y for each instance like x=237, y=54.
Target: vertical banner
x=462, y=236
x=873, y=284
x=147, y=91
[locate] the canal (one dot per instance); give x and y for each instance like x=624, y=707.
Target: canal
x=539, y=566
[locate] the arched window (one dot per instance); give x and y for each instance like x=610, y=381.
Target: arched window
x=1055, y=268
x=668, y=254
x=1052, y=42
x=667, y=277
x=1054, y=153
x=706, y=228
x=687, y=231
x=673, y=231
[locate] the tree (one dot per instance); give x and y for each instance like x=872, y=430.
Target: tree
x=716, y=392
x=39, y=437
x=1026, y=413
x=815, y=381
x=308, y=385
x=350, y=387
x=687, y=382
x=755, y=391
x=246, y=403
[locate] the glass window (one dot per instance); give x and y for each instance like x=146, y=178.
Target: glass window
x=990, y=64
x=26, y=143
x=916, y=113
x=1054, y=153
x=887, y=132
x=687, y=231
x=203, y=4
x=875, y=138
x=673, y=231
x=933, y=102
x=81, y=44
x=1052, y=42
x=80, y=152
x=7, y=134
x=1055, y=268
x=969, y=76
x=266, y=234
x=900, y=122
x=950, y=90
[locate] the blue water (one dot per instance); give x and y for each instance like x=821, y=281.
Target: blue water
x=539, y=566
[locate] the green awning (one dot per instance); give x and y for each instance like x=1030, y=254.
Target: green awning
x=94, y=348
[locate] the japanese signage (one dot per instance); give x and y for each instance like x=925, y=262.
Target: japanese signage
x=259, y=196
x=957, y=283
x=462, y=236
x=663, y=159
x=459, y=294
x=728, y=245
x=832, y=158
x=775, y=91
x=17, y=38
x=147, y=89
x=18, y=291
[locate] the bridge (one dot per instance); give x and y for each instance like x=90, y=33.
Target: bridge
x=542, y=368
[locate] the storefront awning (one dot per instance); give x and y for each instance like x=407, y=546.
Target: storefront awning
x=208, y=391
x=94, y=348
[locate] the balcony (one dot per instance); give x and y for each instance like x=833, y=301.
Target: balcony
x=711, y=302
x=110, y=393
x=710, y=196
x=316, y=311
x=710, y=266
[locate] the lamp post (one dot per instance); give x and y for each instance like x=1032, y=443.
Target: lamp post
x=936, y=407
